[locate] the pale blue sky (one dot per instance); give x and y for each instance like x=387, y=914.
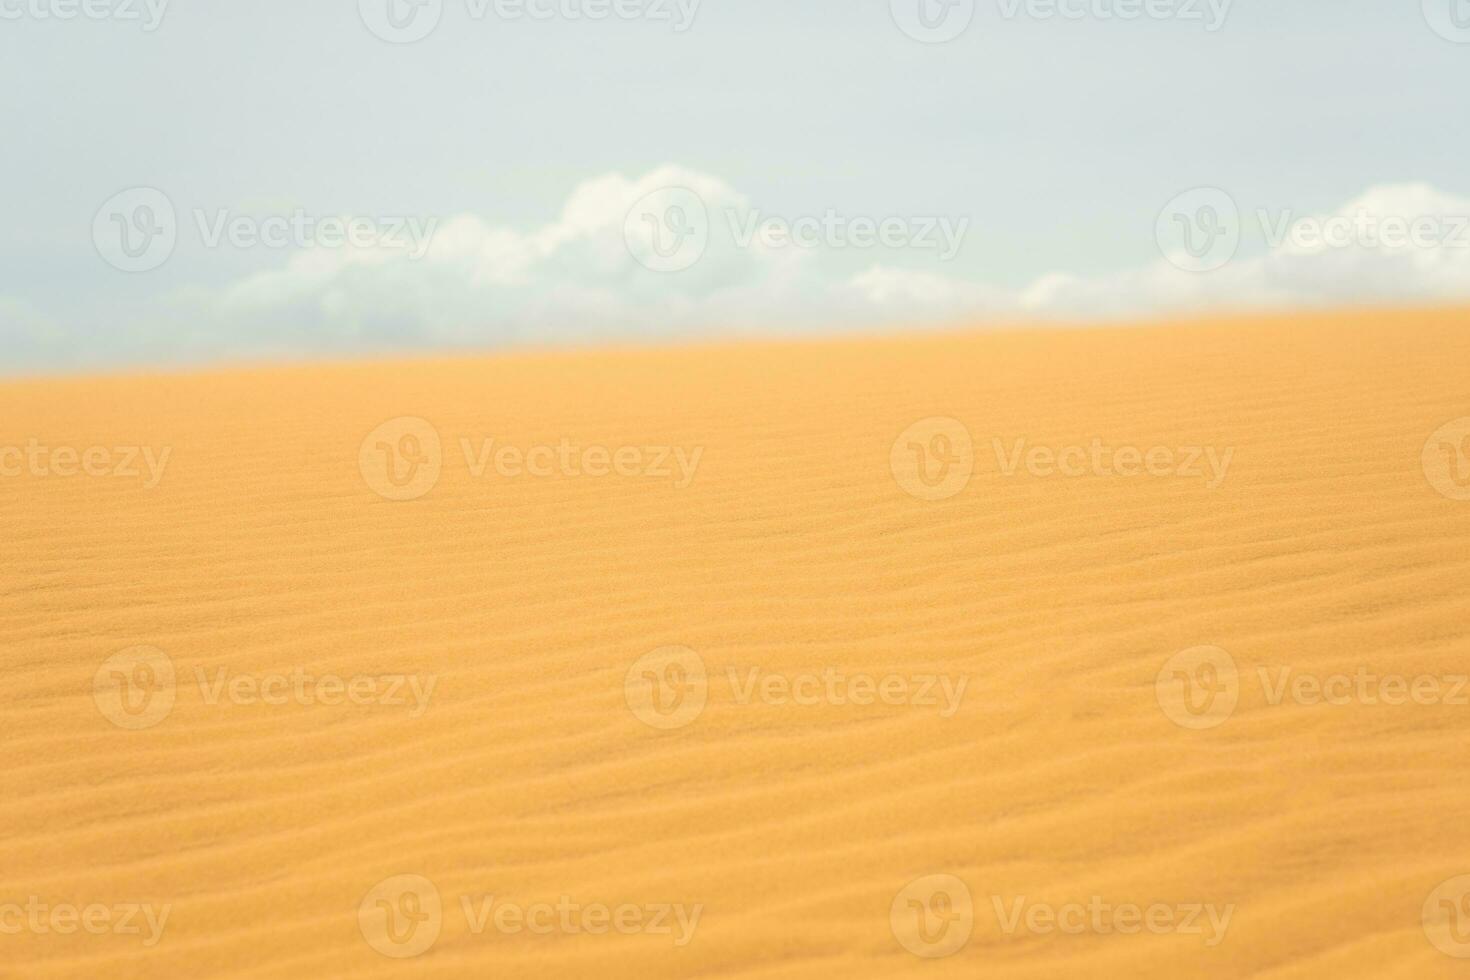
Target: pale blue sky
x=1060, y=141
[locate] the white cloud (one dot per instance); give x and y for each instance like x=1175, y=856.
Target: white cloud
x=576, y=279
x=478, y=283
x=1362, y=252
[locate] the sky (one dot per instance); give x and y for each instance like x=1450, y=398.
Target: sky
x=193, y=181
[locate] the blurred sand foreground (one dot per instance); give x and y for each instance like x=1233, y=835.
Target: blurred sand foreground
x=1096, y=653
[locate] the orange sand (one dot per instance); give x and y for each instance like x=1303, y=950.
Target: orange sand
x=837, y=690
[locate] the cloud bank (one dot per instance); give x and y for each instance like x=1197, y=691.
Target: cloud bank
x=578, y=274
x=676, y=252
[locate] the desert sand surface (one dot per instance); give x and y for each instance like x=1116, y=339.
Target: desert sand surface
x=1114, y=652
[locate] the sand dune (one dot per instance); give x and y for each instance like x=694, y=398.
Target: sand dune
x=948, y=657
